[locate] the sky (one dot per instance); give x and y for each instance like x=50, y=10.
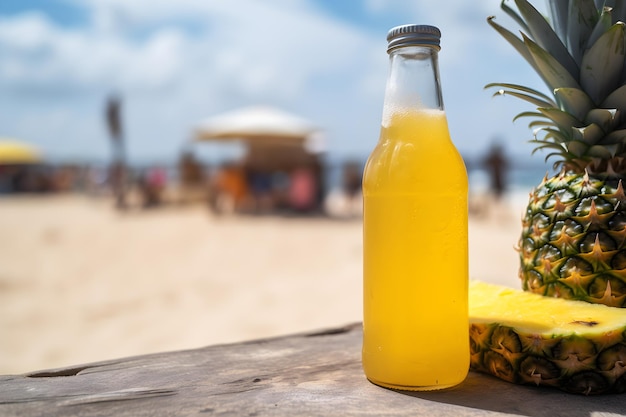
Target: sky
x=177, y=62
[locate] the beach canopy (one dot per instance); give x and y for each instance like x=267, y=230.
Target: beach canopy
x=259, y=125
x=16, y=152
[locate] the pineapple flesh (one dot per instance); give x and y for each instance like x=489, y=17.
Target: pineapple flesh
x=526, y=338
x=573, y=243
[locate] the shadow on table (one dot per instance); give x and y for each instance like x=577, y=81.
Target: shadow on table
x=484, y=392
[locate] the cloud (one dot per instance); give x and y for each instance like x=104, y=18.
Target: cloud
x=36, y=53
x=175, y=62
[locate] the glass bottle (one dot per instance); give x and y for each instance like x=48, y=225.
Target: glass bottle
x=415, y=225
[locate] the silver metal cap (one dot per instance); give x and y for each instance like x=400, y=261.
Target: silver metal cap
x=416, y=35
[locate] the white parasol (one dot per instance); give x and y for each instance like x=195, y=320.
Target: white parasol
x=259, y=125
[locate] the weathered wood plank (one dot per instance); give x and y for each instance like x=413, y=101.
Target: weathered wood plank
x=315, y=374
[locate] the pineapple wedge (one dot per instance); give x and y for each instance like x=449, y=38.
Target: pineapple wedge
x=527, y=338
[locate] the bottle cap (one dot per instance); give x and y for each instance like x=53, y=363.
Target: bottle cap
x=416, y=35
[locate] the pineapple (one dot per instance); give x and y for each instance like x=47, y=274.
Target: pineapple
x=573, y=243
x=526, y=338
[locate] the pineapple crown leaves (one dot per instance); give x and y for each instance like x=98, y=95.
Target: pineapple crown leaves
x=580, y=55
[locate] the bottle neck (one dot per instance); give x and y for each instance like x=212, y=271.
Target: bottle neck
x=413, y=81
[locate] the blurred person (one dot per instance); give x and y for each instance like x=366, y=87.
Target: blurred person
x=5, y=179
x=118, y=166
x=260, y=182
x=151, y=182
x=280, y=189
x=303, y=190
x=117, y=182
x=191, y=177
x=229, y=189
x=352, y=182
x=496, y=164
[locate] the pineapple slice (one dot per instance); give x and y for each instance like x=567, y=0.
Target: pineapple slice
x=527, y=338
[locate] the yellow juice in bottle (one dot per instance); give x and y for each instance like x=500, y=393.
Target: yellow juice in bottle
x=415, y=270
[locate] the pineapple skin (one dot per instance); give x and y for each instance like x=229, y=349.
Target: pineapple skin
x=583, y=352
x=574, y=364
x=573, y=240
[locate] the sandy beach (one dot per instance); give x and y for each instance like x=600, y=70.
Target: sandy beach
x=81, y=282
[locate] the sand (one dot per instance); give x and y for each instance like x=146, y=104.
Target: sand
x=81, y=282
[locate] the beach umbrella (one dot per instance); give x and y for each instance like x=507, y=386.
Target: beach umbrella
x=17, y=152
x=257, y=125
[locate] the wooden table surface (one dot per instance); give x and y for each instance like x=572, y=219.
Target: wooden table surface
x=312, y=374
